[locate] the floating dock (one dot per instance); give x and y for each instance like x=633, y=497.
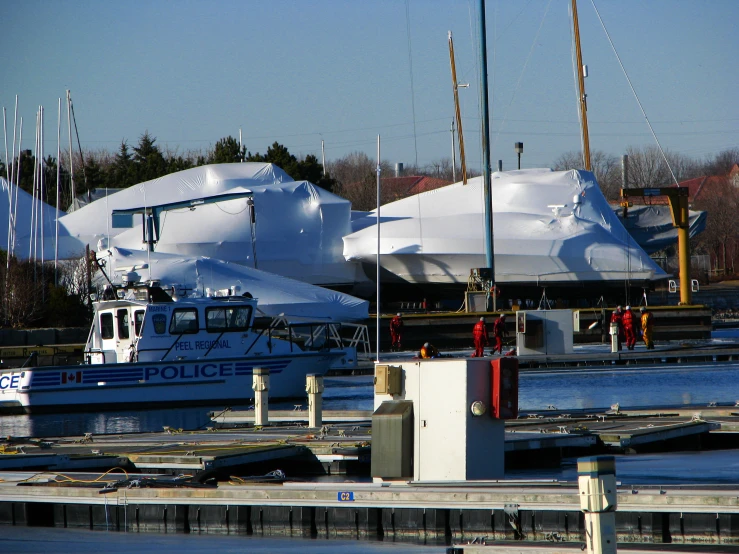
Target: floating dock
x=442, y=513
x=219, y=480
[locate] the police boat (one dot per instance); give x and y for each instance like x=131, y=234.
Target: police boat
x=148, y=348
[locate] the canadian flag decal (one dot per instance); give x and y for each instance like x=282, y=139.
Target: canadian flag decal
x=71, y=377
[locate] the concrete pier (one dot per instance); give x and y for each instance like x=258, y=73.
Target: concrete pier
x=445, y=513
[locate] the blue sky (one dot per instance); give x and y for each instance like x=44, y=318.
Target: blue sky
x=299, y=71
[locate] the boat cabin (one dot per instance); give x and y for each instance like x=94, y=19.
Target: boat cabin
x=149, y=325
x=146, y=325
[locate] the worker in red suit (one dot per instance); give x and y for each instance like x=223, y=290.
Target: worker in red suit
x=617, y=317
x=396, y=332
x=628, y=319
x=498, y=333
x=480, y=335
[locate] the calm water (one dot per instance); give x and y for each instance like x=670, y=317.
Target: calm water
x=591, y=388
x=72, y=541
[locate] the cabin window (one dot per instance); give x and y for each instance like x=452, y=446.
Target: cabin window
x=227, y=318
x=138, y=322
x=184, y=320
x=122, y=317
x=106, y=326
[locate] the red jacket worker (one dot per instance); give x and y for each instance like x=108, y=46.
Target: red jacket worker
x=480, y=335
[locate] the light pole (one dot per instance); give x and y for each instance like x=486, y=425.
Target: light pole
x=518, y=147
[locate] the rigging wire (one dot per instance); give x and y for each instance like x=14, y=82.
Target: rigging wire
x=636, y=96
x=410, y=71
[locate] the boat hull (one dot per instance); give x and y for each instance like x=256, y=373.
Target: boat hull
x=152, y=385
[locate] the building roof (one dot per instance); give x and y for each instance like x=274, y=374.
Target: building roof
x=401, y=187
x=698, y=187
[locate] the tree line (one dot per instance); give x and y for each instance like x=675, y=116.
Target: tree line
x=353, y=177
x=145, y=161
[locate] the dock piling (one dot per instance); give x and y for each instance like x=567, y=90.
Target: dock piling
x=314, y=388
x=596, y=477
x=260, y=384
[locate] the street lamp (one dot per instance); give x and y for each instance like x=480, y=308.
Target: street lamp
x=518, y=147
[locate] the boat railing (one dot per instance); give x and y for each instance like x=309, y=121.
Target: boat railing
x=359, y=338
x=324, y=335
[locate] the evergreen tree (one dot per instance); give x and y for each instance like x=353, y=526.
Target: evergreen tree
x=227, y=151
x=307, y=169
x=93, y=175
x=148, y=161
x=178, y=163
x=278, y=154
x=121, y=173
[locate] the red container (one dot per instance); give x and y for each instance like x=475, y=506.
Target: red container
x=504, y=388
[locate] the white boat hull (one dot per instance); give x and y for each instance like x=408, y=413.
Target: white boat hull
x=99, y=387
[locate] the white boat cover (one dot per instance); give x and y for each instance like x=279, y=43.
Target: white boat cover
x=651, y=226
x=276, y=295
x=549, y=227
x=299, y=226
x=24, y=206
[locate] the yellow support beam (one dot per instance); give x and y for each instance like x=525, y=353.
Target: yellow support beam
x=678, y=198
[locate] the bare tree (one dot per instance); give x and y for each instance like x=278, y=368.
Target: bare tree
x=721, y=201
x=722, y=163
x=24, y=293
x=356, y=174
x=648, y=169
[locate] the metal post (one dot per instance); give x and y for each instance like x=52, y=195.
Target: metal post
x=624, y=171
x=323, y=158
x=377, y=277
x=489, y=256
x=518, y=147
x=683, y=247
x=260, y=384
x=614, y=337
x=603, y=330
x=314, y=388
x=596, y=479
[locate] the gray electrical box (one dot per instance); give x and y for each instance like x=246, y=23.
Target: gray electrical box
x=392, y=440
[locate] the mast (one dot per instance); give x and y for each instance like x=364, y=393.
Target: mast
x=71, y=163
x=583, y=105
x=458, y=115
x=377, y=277
x=58, y=184
x=454, y=155
x=486, y=154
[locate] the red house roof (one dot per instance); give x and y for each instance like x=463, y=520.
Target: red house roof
x=697, y=187
x=401, y=187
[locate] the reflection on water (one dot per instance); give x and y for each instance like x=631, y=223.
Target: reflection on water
x=673, y=468
x=672, y=385
x=587, y=388
x=81, y=541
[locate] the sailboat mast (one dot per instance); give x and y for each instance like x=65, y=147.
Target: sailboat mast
x=458, y=115
x=581, y=85
x=487, y=197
